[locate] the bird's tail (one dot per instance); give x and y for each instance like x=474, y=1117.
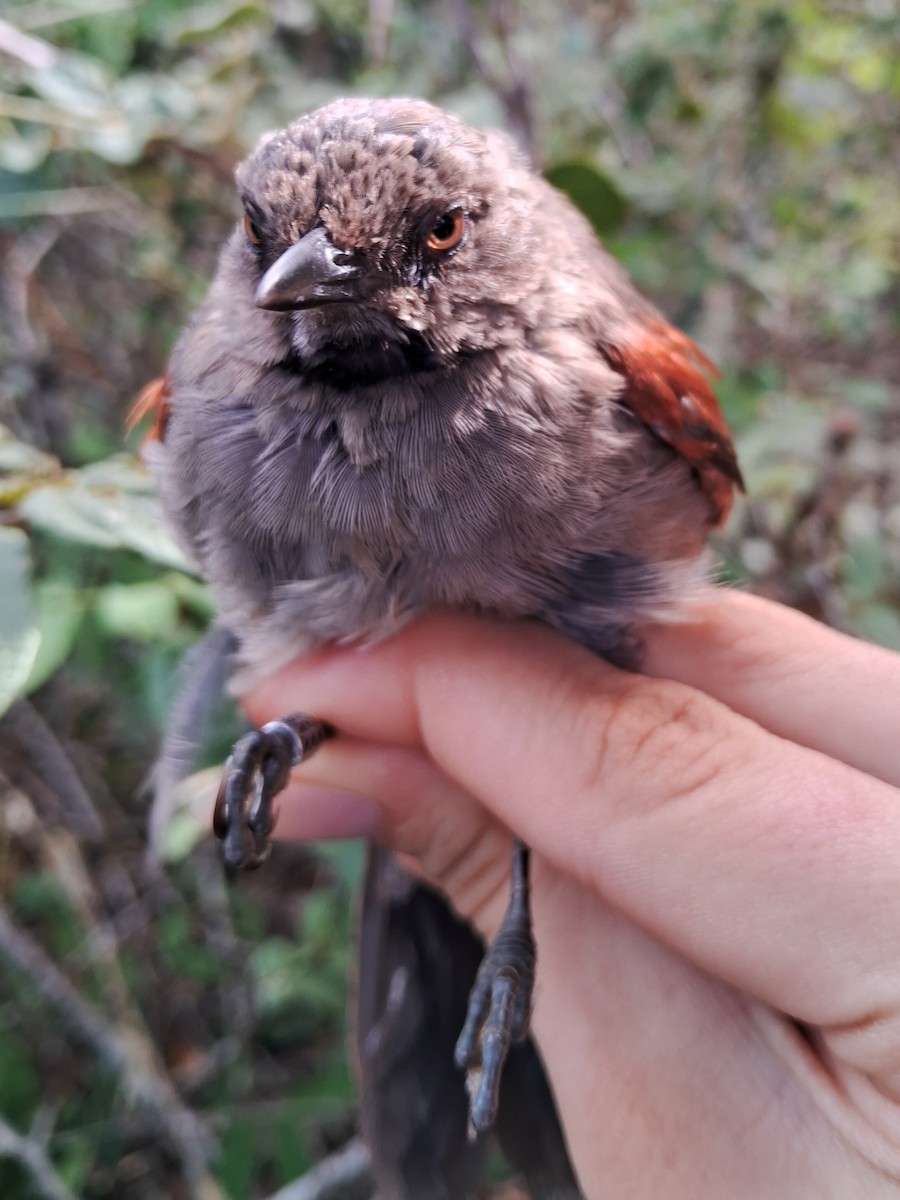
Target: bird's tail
x=417, y=965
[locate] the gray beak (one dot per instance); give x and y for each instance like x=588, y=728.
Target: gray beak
x=313, y=271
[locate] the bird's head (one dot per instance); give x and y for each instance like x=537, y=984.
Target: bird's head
x=388, y=231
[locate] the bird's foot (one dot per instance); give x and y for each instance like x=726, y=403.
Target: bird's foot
x=500, y=1004
x=256, y=771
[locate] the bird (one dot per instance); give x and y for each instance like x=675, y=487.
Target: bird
x=419, y=382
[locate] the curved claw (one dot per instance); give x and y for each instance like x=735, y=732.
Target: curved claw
x=500, y=1003
x=257, y=770
x=221, y=810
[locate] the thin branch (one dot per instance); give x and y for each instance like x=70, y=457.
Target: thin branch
x=346, y=1175
x=30, y=51
x=64, y=202
x=22, y=260
x=381, y=14
x=134, y=1057
x=517, y=95
x=126, y=1052
x=42, y=112
x=213, y=905
x=37, y=745
x=60, y=852
x=31, y=1155
x=514, y=92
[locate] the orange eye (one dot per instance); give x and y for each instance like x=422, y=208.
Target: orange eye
x=447, y=232
x=251, y=231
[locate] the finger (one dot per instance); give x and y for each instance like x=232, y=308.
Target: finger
x=397, y=795
x=790, y=674
x=764, y=862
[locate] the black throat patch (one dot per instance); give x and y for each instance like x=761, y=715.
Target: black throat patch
x=347, y=366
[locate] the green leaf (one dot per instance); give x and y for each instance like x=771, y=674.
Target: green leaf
x=60, y=609
x=22, y=151
x=296, y=988
x=19, y=633
x=78, y=85
x=20, y=457
x=192, y=814
x=237, y=1162
x=19, y=1083
x=871, y=395
x=740, y=399
x=112, y=504
x=346, y=858
x=182, y=833
x=193, y=595
x=183, y=953
x=40, y=896
x=60, y=510
x=145, y=612
x=879, y=623
x=20, y=1088
x=75, y=1160
x=291, y=1152
x=330, y=1088
x=593, y=192
x=204, y=21
x=862, y=568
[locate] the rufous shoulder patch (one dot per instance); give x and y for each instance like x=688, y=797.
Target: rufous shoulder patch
x=668, y=388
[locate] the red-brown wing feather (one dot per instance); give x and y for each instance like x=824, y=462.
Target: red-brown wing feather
x=668, y=388
x=151, y=401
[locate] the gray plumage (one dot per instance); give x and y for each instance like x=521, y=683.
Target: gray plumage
x=456, y=439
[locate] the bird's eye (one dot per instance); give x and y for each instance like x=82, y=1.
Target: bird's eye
x=250, y=229
x=447, y=232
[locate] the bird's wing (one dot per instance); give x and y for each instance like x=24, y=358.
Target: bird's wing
x=668, y=388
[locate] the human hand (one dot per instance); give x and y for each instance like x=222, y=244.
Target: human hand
x=713, y=848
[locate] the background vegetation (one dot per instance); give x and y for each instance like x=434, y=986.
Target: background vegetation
x=160, y=1035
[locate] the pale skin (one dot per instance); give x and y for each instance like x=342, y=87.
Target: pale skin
x=714, y=847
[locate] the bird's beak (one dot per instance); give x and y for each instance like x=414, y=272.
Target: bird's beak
x=311, y=272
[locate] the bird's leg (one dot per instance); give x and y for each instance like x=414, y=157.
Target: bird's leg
x=500, y=1003
x=257, y=770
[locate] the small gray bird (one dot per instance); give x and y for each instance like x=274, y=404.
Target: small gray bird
x=419, y=382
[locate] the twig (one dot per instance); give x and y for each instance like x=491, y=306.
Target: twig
x=381, y=14
x=214, y=909
x=42, y=112
x=61, y=852
x=21, y=261
x=346, y=1175
x=514, y=93
x=126, y=1052
x=28, y=1151
x=31, y=51
x=37, y=746
x=64, y=202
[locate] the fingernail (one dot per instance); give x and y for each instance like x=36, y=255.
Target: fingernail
x=312, y=814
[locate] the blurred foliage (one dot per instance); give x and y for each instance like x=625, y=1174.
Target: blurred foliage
x=739, y=156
